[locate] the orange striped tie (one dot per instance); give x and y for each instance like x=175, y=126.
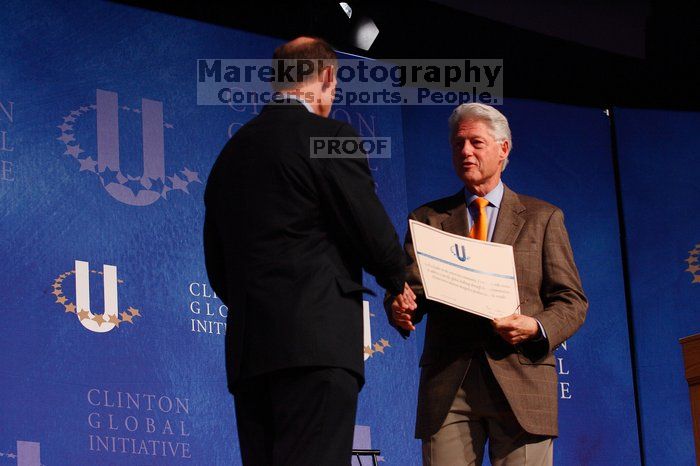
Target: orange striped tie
x=480, y=229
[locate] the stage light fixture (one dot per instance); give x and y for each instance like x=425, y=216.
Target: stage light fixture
x=364, y=33
x=347, y=9
x=344, y=24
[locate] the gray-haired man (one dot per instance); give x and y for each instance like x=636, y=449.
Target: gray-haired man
x=484, y=379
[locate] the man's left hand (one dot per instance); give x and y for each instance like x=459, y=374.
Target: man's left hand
x=516, y=328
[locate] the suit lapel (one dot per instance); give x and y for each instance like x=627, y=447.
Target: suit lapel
x=456, y=221
x=509, y=221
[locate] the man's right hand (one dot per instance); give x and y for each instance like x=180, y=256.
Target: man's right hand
x=402, y=308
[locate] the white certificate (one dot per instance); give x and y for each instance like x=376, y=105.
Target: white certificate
x=471, y=275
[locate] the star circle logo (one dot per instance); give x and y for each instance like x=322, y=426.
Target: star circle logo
x=371, y=349
x=102, y=157
x=110, y=317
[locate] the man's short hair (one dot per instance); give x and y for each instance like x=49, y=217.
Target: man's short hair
x=315, y=50
x=496, y=121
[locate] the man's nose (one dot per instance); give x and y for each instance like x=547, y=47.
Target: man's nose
x=467, y=150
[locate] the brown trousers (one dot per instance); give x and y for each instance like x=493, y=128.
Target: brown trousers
x=479, y=412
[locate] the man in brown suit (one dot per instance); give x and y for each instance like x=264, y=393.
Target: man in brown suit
x=484, y=379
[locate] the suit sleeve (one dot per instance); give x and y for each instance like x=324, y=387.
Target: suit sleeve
x=214, y=254
x=362, y=220
x=564, y=302
x=414, y=281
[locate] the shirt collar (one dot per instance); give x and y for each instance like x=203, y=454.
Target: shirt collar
x=285, y=96
x=495, y=196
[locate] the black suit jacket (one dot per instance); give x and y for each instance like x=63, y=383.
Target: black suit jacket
x=286, y=237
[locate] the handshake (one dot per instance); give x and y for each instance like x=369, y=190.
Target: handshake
x=402, y=308
x=514, y=329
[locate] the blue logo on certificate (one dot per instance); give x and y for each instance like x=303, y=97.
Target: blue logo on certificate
x=459, y=252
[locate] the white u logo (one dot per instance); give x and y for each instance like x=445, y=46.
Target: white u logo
x=82, y=297
x=28, y=453
x=153, y=147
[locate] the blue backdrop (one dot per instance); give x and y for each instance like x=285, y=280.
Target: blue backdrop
x=114, y=352
x=659, y=165
x=560, y=154
x=112, y=348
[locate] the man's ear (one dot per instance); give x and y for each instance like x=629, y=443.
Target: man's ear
x=505, y=150
x=328, y=76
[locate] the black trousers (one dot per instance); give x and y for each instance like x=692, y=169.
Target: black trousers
x=301, y=416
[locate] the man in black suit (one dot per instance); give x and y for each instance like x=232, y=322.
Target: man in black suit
x=286, y=236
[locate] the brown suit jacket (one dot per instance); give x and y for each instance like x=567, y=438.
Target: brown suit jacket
x=550, y=290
